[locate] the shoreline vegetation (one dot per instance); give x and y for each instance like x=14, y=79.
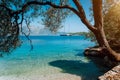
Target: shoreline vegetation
x=80, y=33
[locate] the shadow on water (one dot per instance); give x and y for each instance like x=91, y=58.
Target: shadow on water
x=85, y=70
x=97, y=61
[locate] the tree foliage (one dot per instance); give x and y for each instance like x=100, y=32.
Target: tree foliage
x=9, y=31
x=112, y=25
x=111, y=16
x=53, y=18
x=13, y=16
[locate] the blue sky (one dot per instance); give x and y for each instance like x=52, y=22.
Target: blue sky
x=72, y=23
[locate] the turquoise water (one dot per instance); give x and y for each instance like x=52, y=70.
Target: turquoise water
x=51, y=55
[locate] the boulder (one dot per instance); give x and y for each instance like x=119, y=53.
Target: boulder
x=113, y=74
x=97, y=52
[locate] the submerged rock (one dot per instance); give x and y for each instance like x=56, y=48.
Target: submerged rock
x=113, y=74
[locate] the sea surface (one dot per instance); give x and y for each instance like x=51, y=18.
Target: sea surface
x=52, y=56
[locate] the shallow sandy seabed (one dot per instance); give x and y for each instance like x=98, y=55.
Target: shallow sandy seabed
x=59, y=76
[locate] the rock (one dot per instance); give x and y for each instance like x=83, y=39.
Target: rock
x=110, y=63
x=113, y=74
x=97, y=52
x=101, y=53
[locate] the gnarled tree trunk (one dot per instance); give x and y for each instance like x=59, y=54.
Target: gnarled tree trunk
x=97, y=29
x=99, y=32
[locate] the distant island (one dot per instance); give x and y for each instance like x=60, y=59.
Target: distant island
x=80, y=33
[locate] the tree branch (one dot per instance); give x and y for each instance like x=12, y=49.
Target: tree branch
x=6, y=8
x=79, y=13
x=46, y=3
x=97, y=13
x=83, y=16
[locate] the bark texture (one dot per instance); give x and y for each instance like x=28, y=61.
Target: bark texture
x=99, y=33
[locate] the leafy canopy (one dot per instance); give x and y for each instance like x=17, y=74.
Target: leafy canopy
x=16, y=13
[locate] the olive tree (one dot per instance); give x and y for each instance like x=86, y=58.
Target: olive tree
x=78, y=10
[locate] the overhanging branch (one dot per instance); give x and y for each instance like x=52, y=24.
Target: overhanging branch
x=46, y=3
x=83, y=16
x=80, y=12
x=8, y=9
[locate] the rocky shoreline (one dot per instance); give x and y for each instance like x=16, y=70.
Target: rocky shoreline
x=114, y=73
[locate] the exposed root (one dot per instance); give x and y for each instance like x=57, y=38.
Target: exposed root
x=102, y=52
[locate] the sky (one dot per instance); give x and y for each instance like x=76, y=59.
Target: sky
x=72, y=23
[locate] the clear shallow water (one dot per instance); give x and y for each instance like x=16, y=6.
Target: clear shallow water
x=51, y=55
